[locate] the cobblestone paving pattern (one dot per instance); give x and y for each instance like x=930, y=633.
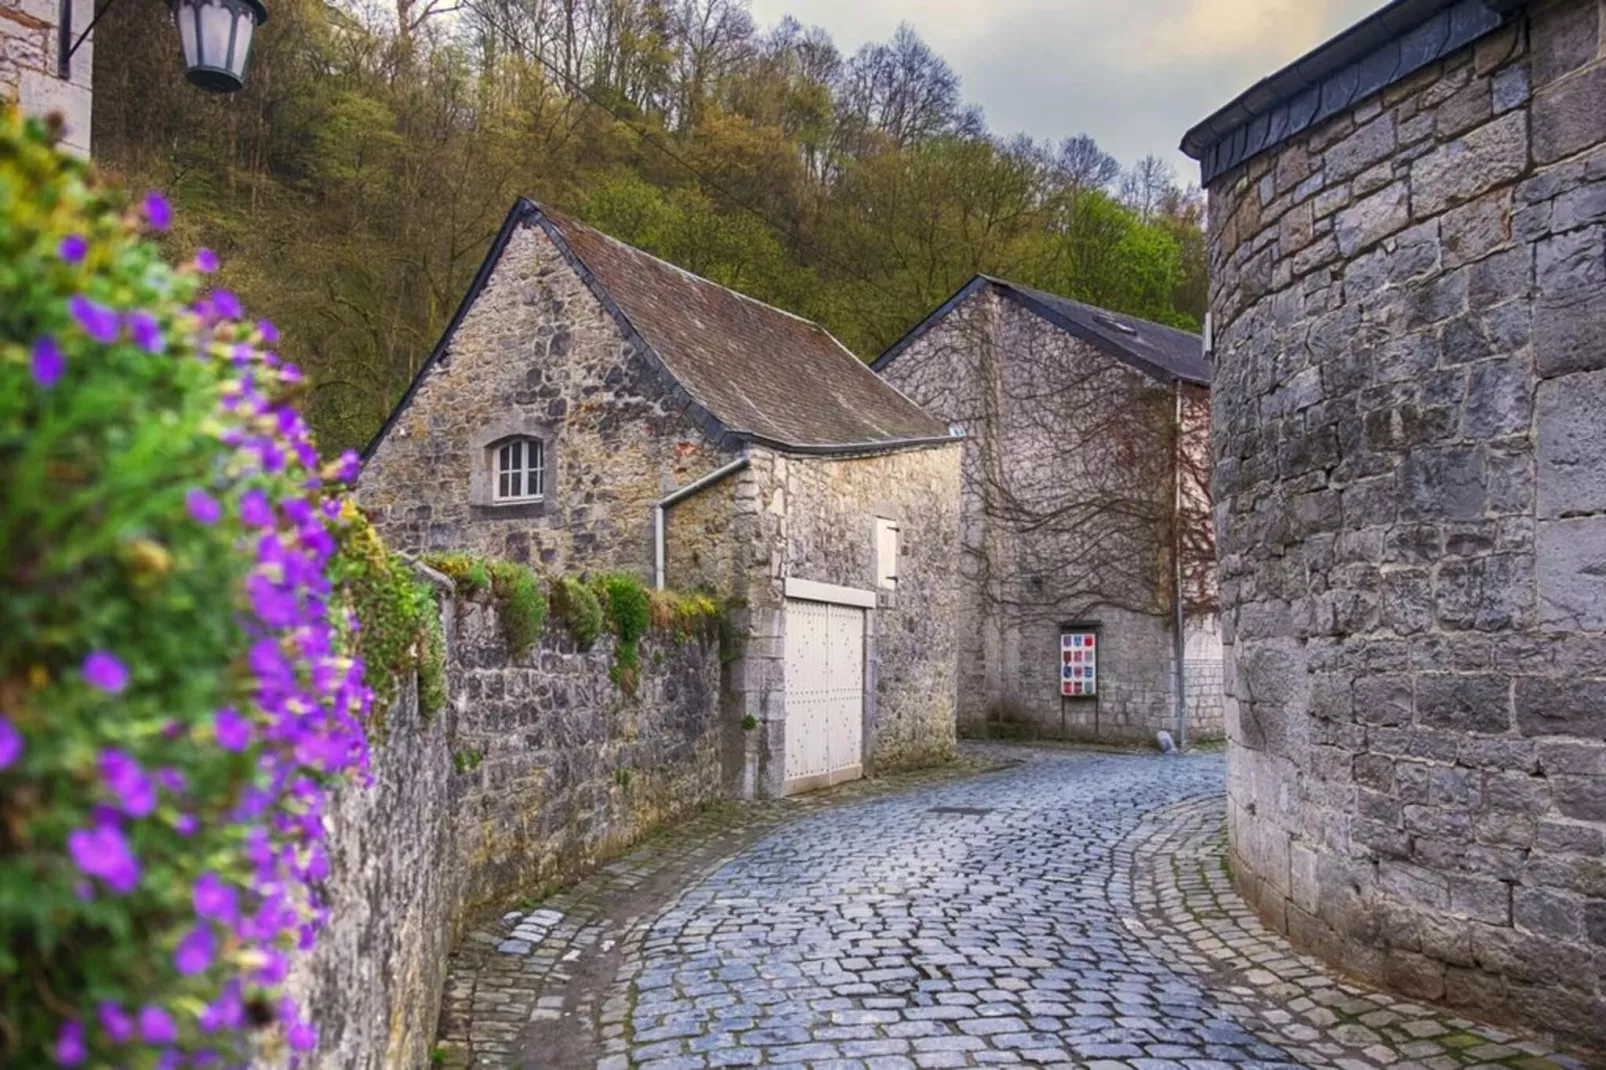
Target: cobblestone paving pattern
x=1072, y=911
x=534, y=983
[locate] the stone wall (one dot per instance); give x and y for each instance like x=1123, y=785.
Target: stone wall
x=562, y=768
x=29, y=73
x=1410, y=382
x=814, y=519
x=536, y=354
x=1050, y=456
x=538, y=769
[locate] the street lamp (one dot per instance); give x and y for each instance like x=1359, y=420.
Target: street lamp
x=216, y=38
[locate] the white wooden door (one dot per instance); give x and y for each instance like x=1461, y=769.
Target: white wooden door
x=824, y=694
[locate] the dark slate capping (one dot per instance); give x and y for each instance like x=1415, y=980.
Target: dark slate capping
x=1098, y=341
x=1391, y=44
x=1042, y=311
x=521, y=210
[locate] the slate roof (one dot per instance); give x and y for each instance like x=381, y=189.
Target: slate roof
x=1400, y=38
x=1163, y=353
x=747, y=371
x=760, y=371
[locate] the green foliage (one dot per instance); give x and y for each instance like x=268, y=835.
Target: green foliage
x=629, y=614
x=401, y=628
x=141, y=528
x=523, y=607
x=622, y=778
x=749, y=722
x=359, y=178
x=579, y=609
x=466, y=760
x=466, y=570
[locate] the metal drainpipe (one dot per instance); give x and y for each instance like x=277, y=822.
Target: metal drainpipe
x=681, y=495
x=1180, y=643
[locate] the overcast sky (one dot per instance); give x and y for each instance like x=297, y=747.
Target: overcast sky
x=1133, y=73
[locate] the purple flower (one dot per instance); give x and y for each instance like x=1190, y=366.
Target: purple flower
x=233, y=731
x=69, y=1049
x=194, y=952
x=10, y=742
x=158, y=213
x=156, y=1025
x=186, y=824
x=104, y=852
x=48, y=362
x=255, y=510
x=350, y=467
x=214, y=899
x=106, y=671
x=72, y=249
x=146, y=332
x=226, y=1012
x=274, y=971
x=97, y=321
x=270, y=333
x=303, y=1036
x=226, y=305
x=205, y=261
x=203, y=507
x=123, y=776
x=119, y=1026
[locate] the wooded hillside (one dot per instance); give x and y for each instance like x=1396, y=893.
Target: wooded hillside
x=353, y=187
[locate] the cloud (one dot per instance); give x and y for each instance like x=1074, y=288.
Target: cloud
x=1135, y=74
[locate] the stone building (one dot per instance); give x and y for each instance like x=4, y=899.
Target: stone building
x=1408, y=252
x=591, y=407
x=33, y=69
x=1070, y=472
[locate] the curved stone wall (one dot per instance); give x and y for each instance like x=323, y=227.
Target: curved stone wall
x=1410, y=434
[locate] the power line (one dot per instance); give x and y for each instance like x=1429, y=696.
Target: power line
x=647, y=137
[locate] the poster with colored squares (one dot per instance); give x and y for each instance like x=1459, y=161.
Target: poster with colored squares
x=1079, y=660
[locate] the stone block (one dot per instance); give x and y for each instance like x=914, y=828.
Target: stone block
x=1570, y=320
x=1384, y=700
x=1571, y=461
x=1488, y=156
x=1571, y=566
x=1499, y=399
x=1568, y=116
x=1562, y=38
x=1469, y=703
x=1481, y=900
x=1582, y=798
x=1370, y=220
x=1360, y=149
x=1442, y=483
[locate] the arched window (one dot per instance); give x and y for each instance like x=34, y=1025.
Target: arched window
x=520, y=474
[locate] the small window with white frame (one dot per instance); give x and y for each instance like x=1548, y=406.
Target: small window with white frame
x=520, y=474
x=886, y=553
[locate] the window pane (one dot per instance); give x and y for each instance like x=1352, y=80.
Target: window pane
x=537, y=457
x=501, y=485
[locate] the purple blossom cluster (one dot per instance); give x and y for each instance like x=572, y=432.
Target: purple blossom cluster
x=303, y=726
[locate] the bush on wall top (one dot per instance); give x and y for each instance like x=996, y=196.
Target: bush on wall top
x=176, y=692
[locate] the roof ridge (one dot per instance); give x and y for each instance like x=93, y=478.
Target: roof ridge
x=1097, y=309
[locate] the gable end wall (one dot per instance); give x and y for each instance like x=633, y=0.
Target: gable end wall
x=538, y=349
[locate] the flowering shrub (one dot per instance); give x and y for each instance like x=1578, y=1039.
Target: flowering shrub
x=175, y=696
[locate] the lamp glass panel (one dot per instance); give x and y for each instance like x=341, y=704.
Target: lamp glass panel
x=242, y=44
x=217, y=22
x=186, y=32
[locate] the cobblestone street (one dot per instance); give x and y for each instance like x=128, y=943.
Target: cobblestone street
x=1072, y=910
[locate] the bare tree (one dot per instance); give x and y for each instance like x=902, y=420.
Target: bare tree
x=1081, y=165
x=902, y=90
x=1148, y=186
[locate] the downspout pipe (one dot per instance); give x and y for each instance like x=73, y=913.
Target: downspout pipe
x=680, y=495
x=1180, y=640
